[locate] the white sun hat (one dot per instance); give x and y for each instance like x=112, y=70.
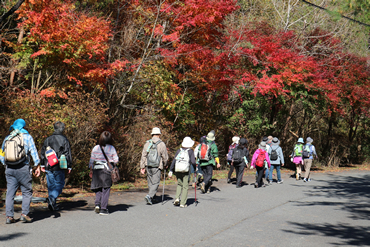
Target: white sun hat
x=156, y=131
x=187, y=142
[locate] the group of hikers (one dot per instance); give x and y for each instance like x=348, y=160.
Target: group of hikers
x=56, y=160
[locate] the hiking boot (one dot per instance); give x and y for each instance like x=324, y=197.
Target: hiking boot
x=148, y=200
x=104, y=212
x=183, y=206
x=97, y=209
x=202, y=187
x=25, y=218
x=10, y=220
x=176, y=202
x=280, y=182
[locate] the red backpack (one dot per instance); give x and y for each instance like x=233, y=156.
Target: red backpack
x=260, y=162
x=204, y=152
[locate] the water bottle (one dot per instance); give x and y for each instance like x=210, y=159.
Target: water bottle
x=63, y=162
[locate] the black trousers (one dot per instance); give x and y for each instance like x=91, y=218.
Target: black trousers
x=239, y=174
x=231, y=170
x=260, y=171
x=207, y=175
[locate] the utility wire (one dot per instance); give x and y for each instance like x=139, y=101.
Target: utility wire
x=348, y=18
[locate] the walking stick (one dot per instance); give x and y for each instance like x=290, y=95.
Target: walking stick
x=195, y=176
x=164, y=181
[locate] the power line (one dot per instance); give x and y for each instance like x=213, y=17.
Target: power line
x=345, y=17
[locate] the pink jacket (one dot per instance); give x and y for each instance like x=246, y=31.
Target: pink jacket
x=255, y=155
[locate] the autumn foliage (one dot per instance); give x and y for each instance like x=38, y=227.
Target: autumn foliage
x=188, y=66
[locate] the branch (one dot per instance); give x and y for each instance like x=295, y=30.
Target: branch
x=11, y=11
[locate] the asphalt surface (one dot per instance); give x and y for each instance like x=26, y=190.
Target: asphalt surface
x=331, y=210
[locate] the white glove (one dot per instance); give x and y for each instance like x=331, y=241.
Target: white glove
x=170, y=174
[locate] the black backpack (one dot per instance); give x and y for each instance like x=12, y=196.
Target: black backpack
x=306, y=153
x=274, y=155
x=238, y=155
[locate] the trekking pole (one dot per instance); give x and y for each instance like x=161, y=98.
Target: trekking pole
x=195, y=176
x=164, y=181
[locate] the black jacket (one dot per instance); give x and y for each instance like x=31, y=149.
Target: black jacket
x=61, y=146
x=245, y=154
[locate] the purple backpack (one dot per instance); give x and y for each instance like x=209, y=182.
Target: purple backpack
x=230, y=153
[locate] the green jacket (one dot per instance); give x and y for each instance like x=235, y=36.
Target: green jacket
x=214, y=154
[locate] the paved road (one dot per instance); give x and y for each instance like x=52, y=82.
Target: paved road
x=331, y=210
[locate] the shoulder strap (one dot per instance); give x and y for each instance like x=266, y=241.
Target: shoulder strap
x=105, y=156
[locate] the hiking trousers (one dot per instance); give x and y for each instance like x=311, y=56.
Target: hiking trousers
x=260, y=171
x=207, y=175
x=21, y=177
x=307, y=167
x=154, y=178
x=182, y=187
x=230, y=171
x=239, y=174
x=102, y=197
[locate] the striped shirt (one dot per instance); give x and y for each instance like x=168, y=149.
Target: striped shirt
x=29, y=147
x=97, y=155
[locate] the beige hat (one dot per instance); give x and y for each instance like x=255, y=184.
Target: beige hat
x=211, y=136
x=187, y=142
x=262, y=145
x=156, y=131
x=236, y=139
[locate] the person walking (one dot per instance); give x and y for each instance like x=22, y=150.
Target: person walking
x=153, y=160
x=208, y=158
x=240, y=160
x=276, y=159
x=268, y=140
x=102, y=156
x=18, y=171
x=234, y=144
x=297, y=157
x=184, y=159
x=55, y=175
x=311, y=151
x=258, y=162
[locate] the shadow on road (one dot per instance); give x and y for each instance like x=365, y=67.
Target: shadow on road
x=118, y=207
x=351, y=194
x=12, y=236
x=40, y=214
x=350, y=235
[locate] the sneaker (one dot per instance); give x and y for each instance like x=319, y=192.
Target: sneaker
x=238, y=186
x=255, y=185
x=297, y=176
x=97, y=209
x=183, y=206
x=176, y=202
x=309, y=180
x=280, y=182
x=208, y=191
x=25, y=218
x=202, y=187
x=228, y=180
x=104, y=212
x=10, y=220
x=148, y=200
x=270, y=182
x=305, y=180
